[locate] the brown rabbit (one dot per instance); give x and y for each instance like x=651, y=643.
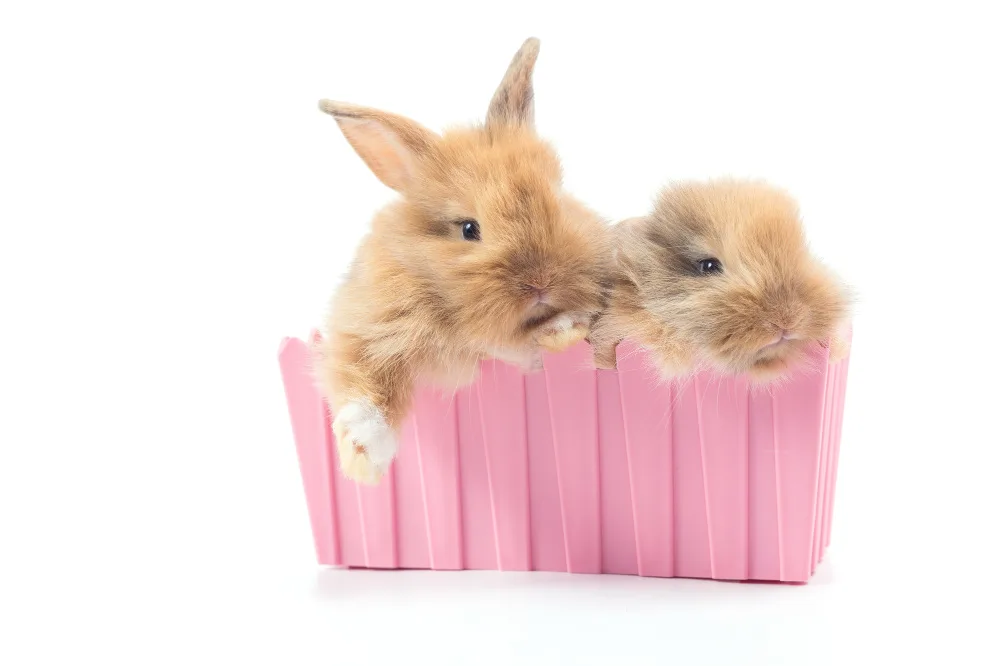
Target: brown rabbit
x=482, y=256
x=719, y=276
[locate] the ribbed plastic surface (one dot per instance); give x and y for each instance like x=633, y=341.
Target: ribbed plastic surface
x=587, y=471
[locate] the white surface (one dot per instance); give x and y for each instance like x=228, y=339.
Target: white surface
x=172, y=203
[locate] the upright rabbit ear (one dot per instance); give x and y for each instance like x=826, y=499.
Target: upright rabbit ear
x=513, y=101
x=391, y=146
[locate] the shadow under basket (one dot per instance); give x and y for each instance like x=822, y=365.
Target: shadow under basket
x=587, y=471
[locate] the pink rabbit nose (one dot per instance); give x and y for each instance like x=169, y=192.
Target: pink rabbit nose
x=780, y=336
x=540, y=295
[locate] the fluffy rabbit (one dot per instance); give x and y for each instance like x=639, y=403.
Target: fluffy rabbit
x=719, y=276
x=482, y=256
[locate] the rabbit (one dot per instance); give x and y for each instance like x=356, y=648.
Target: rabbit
x=719, y=276
x=482, y=256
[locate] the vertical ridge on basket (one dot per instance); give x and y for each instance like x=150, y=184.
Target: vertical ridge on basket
x=649, y=447
x=833, y=396
x=560, y=487
x=422, y=479
x=844, y=371
x=829, y=427
x=457, y=549
x=490, y=486
x=501, y=390
x=477, y=532
x=308, y=415
x=692, y=530
x=619, y=547
x=571, y=384
x=413, y=520
x=548, y=551
x=378, y=515
x=631, y=448
x=797, y=408
x=764, y=518
x=360, y=520
x=834, y=441
x=748, y=499
x=435, y=473
x=829, y=414
x=820, y=484
x=698, y=400
x=722, y=412
x=834, y=400
x=781, y=558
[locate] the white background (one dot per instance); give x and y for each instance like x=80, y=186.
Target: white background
x=172, y=204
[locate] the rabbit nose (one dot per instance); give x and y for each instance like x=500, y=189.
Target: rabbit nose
x=780, y=336
x=785, y=333
x=539, y=294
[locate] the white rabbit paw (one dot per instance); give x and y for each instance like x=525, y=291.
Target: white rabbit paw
x=365, y=442
x=528, y=359
x=564, y=331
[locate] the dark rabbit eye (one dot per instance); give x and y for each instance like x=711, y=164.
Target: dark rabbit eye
x=711, y=265
x=470, y=230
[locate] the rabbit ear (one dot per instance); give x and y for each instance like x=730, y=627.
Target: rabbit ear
x=390, y=145
x=513, y=101
x=627, y=233
x=631, y=250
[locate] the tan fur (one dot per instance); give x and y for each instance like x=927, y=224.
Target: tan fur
x=420, y=302
x=769, y=282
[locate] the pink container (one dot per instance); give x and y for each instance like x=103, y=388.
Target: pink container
x=587, y=471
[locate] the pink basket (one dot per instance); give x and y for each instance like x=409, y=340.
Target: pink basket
x=587, y=471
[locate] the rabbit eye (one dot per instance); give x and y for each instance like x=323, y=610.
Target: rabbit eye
x=710, y=265
x=470, y=230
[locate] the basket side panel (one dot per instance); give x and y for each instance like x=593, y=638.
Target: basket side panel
x=548, y=551
x=619, y=550
x=843, y=368
x=797, y=416
x=649, y=449
x=427, y=485
x=765, y=554
x=500, y=483
x=313, y=443
x=412, y=535
x=692, y=538
x=830, y=415
x=478, y=541
x=572, y=401
x=377, y=508
x=723, y=414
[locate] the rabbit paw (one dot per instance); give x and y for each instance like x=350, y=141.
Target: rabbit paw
x=839, y=348
x=365, y=441
x=528, y=360
x=564, y=331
